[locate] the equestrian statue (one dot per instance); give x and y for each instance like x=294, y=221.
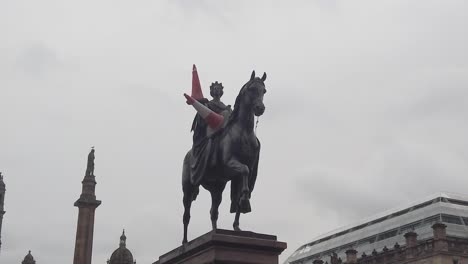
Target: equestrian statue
x=225, y=148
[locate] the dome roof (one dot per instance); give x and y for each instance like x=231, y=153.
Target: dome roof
x=28, y=259
x=122, y=255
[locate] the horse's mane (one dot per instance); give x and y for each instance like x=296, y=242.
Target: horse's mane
x=235, y=113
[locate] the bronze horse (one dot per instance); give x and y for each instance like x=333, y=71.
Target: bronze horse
x=234, y=155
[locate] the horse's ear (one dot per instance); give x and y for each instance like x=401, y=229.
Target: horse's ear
x=252, y=76
x=264, y=77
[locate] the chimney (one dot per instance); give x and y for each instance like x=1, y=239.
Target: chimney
x=351, y=256
x=440, y=237
x=439, y=230
x=334, y=259
x=411, y=240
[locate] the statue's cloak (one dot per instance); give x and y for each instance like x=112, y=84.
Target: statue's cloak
x=205, y=146
x=203, y=158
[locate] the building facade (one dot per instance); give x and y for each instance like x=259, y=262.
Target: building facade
x=388, y=233
x=439, y=249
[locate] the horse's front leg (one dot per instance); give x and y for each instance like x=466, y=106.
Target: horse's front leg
x=240, y=172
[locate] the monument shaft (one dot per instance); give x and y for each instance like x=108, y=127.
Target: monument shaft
x=87, y=205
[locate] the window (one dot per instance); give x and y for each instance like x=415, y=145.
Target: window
x=421, y=205
x=452, y=219
x=388, y=234
x=459, y=202
x=410, y=227
x=433, y=219
x=465, y=219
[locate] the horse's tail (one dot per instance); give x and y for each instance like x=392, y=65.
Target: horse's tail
x=187, y=186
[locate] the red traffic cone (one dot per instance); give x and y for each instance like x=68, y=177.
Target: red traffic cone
x=197, y=93
x=213, y=119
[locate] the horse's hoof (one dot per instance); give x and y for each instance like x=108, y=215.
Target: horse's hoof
x=236, y=228
x=244, y=204
x=184, y=242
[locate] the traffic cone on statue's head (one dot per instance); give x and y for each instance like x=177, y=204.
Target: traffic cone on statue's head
x=213, y=119
x=197, y=93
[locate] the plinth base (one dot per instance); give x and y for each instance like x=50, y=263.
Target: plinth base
x=226, y=247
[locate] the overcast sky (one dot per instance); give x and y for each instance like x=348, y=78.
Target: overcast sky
x=366, y=109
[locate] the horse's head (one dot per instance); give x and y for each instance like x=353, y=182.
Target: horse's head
x=252, y=94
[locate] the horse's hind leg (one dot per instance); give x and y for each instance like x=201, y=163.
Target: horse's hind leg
x=190, y=193
x=188, y=198
x=236, y=221
x=216, y=197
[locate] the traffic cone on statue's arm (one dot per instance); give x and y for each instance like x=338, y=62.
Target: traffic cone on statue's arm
x=213, y=119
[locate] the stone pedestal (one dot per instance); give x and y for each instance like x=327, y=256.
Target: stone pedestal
x=227, y=247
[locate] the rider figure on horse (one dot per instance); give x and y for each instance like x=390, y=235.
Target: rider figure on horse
x=199, y=125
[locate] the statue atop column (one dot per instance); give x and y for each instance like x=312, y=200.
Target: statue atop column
x=90, y=166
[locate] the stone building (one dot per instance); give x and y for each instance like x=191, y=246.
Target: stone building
x=122, y=255
x=428, y=231
x=28, y=259
x=439, y=249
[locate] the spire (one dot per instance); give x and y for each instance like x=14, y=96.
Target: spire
x=123, y=239
x=28, y=259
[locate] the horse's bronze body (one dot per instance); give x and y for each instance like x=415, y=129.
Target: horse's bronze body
x=235, y=152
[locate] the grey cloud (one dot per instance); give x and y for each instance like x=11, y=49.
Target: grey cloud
x=38, y=59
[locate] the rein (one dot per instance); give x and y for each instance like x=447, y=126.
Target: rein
x=256, y=125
